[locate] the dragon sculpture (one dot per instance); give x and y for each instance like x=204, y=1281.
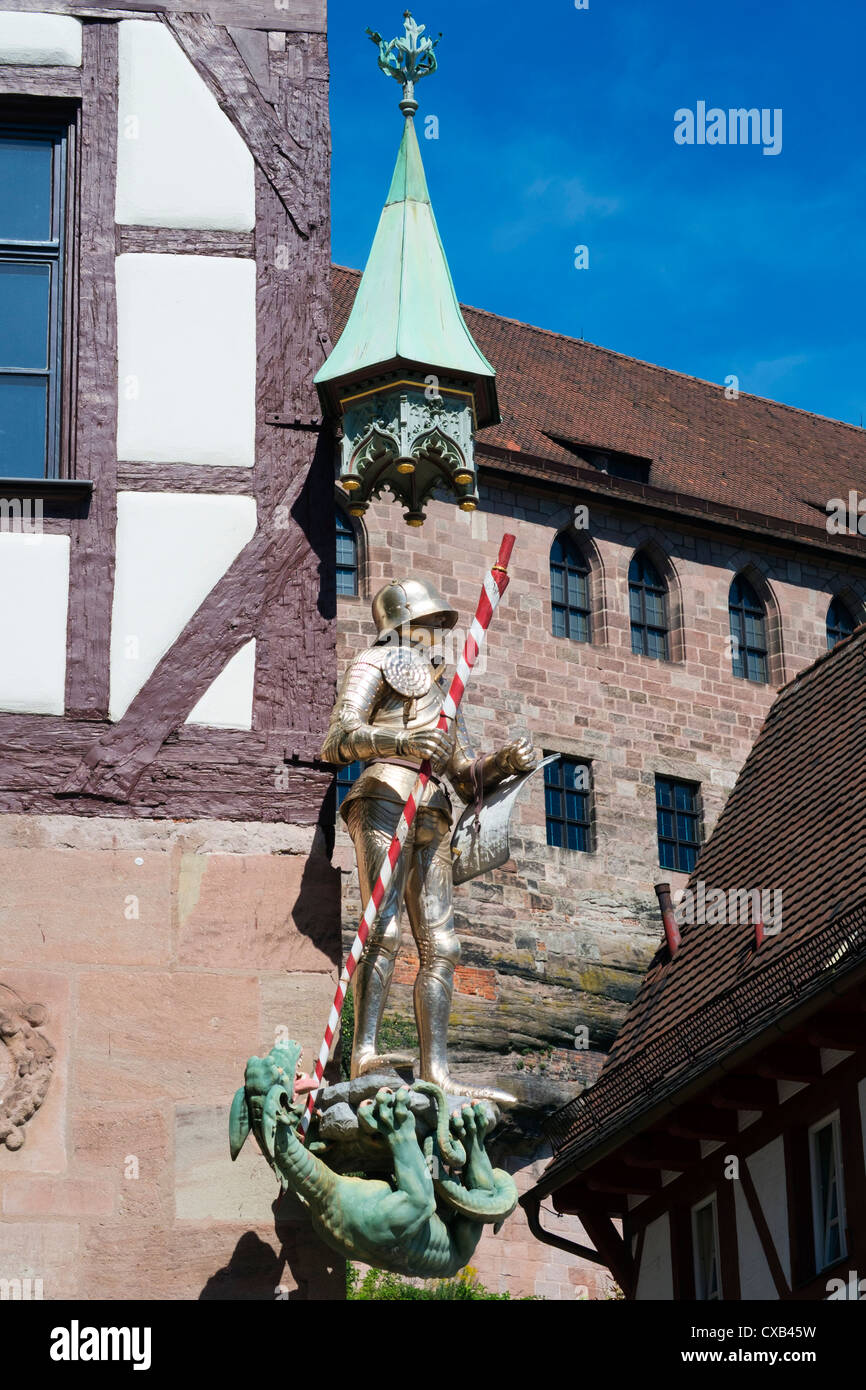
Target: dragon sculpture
x=428, y=1219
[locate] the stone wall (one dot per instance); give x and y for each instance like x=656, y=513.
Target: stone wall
x=164, y=953
x=558, y=939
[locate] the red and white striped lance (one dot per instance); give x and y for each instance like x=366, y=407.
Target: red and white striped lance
x=495, y=584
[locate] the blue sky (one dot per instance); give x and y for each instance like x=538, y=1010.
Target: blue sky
x=556, y=129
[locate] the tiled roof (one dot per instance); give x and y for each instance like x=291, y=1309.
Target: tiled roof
x=796, y=822
x=773, y=460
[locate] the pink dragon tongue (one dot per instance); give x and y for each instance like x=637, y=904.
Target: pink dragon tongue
x=304, y=1084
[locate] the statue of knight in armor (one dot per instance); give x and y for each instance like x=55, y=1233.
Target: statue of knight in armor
x=386, y=716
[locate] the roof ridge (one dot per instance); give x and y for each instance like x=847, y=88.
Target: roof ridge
x=640, y=361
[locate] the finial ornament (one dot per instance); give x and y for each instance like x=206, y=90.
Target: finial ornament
x=407, y=59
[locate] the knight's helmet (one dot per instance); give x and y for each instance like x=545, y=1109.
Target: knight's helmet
x=412, y=601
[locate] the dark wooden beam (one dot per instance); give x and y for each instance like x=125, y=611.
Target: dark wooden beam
x=26, y=81
x=296, y=16
x=617, y=1177
x=744, y=1093
x=608, y=1242
x=844, y=1033
x=184, y=241
x=790, y=1062
x=702, y=1122
x=184, y=477
x=91, y=327
x=664, y=1151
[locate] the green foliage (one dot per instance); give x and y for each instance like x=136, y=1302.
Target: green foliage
x=376, y=1285
x=395, y=1035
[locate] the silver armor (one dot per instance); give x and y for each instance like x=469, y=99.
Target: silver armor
x=386, y=715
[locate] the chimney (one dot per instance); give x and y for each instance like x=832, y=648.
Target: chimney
x=672, y=931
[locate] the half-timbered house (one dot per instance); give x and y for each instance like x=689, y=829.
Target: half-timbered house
x=167, y=613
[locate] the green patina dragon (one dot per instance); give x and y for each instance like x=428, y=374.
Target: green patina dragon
x=427, y=1221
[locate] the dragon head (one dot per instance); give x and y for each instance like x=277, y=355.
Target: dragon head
x=270, y=1089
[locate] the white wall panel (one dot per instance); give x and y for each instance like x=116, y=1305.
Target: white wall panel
x=187, y=359
x=228, y=701
x=180, y=161
x=756, y=1281
x=655, y=1279
x=767, y=1167
x=171, y=550
x=40, y=39
x=34, y=597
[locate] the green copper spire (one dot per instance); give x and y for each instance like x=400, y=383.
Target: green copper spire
x=406, y=317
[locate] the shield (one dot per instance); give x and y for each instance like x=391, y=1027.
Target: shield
x=475, y=850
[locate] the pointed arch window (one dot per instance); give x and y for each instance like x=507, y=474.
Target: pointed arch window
x=840, y=623
x=347, y=556
x=648, y=609
x=749, y=651
x=569, y=590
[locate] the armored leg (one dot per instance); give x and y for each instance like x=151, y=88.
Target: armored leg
x=371, y=824
x=429, y=890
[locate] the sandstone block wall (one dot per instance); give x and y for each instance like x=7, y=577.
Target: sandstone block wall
x=164, y=953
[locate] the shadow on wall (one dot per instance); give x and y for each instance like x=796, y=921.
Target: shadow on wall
x=255, y=1273
x=313, y=512
x=316, y=909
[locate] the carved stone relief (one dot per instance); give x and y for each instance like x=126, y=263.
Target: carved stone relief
x=26, y=1062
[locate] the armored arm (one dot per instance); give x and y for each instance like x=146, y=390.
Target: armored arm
x=518, y=756
x=351, y=735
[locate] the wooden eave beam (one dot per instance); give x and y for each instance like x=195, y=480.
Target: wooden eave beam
x=663, y=1151
x=619, y=1178
x=790, y=1062
x=845, y=1032
x=744, y=1093
x=702, y=1122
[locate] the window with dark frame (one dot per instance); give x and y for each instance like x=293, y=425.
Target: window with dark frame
x=33, y=176
x=568, y=804
x=569, y=590
x=748, y=632
x=347, y=556
x=648, y=609
x=346, y=779
x=840, y=623
x=705, y=1243
x=828, y=1193
x=678, y=816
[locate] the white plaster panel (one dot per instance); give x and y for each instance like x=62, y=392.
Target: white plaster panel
x=748, y=1117
x=756, y=1281
x=40, y=39
x=34, y=599
x=186, y=359
x=767, y=1167
x=180, y=161
x=171, y=550
x=831, y=1057
x=787, y=1089
x=228, y=701
x=655, y=1280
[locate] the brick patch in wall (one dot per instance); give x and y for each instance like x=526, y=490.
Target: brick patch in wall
x=468, y=979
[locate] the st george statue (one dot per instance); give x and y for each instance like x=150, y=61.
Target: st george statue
x=385, y=716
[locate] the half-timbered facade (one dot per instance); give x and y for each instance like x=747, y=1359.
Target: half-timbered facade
x=167, y=629
x=720, y=1155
